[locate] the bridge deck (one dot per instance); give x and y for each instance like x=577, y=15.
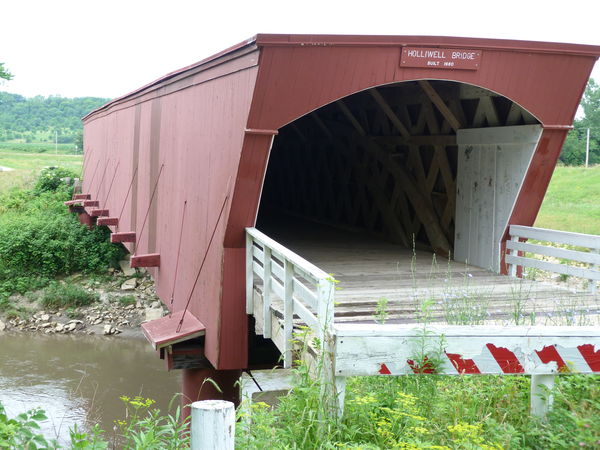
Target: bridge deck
x=415, y=283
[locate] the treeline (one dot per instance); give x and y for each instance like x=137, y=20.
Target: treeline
x=43, y=119
x=573, y=152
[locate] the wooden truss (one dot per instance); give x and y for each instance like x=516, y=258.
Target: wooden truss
x=384, y=160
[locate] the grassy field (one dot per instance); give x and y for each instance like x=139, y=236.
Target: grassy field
x=572, y=202
x=27, y=166
x=36, y=147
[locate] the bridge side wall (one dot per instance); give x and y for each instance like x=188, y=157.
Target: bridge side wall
x=492, y=163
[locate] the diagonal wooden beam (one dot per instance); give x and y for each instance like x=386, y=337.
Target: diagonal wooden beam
x=440, y=105
x=298, y=132
x=321, y=124
x=514, y=115
x=421, y=205
x=490, y=112
x=371, y=180
x=355, y=123
x=389, y=113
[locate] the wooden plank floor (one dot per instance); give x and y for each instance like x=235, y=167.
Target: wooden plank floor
x=416, y=287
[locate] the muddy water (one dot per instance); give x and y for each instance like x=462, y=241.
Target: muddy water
x=78, y=379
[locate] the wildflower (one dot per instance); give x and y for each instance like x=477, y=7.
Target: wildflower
x=259, y=405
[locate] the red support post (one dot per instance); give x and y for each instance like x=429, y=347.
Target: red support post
x=82, y=197
x=108, y=221
x=149, y=260
x=86, y=219
x=127, y=236
x=99, y=212
x=196, y=386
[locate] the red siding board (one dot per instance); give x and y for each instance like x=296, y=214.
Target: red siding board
x=233, y=332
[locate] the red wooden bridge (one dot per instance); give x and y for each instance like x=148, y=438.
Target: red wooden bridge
x=355, y=152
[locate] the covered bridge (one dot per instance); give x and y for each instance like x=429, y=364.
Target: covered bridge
x=361, y=145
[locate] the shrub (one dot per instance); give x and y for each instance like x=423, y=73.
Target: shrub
x=40, y=240
x=59, y=295
x=50, y=179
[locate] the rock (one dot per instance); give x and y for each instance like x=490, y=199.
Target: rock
x=58, y=314
x=109, y=330
x=155, y=304
x=45, y=317
x=111, y=270
x=129, y=285
x=104, y=298
x=98, y=321
x=2, y=326
x=59, y=327
x=70, y=327
x=128, y=271
x=153, y=313
x=45, y=325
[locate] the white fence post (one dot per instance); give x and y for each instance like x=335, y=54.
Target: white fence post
x=213, y=425
x=249, y=275
x=541, y=394
x=592, y=283
x=267, y=292
x=288, y=313
x=513, y=267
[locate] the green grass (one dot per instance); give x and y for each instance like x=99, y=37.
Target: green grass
x=59, y=295
x=572, y=202
x=28, y=165
x=36, y=147
x=427, y=411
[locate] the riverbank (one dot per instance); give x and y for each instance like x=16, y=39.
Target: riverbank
x=125, y=299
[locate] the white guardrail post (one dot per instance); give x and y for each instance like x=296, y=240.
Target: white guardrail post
x=541, y=394
x=213, y=425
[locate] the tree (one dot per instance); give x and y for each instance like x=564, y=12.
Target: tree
x=591, y=103
x=4, y=73
x=573, y=152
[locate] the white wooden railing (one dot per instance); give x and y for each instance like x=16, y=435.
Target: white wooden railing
x=591, y=258
x=304, y=289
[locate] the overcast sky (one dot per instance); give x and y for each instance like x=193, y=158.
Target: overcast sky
x=108, y=48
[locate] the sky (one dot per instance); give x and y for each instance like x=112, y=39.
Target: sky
x=76, y=48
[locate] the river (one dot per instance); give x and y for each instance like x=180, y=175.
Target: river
x=78, y=379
